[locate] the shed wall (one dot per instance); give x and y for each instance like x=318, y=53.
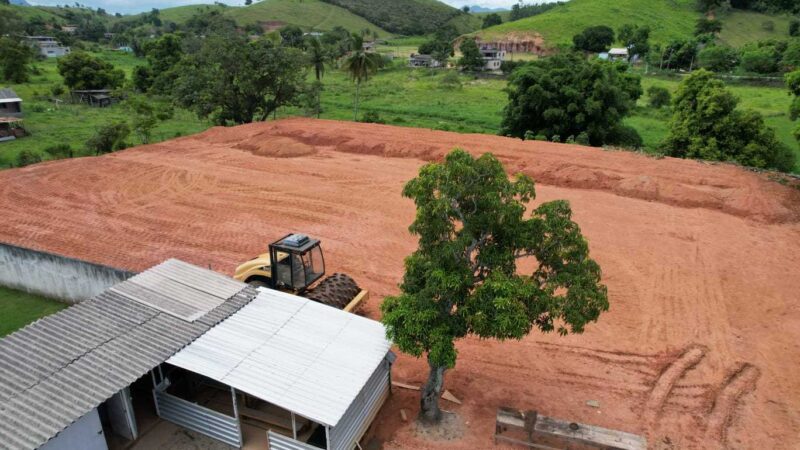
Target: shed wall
x=59, y=277
x=85, y=433
x=363, y=410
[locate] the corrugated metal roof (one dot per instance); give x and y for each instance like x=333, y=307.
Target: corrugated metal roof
x=293, y=352
x=8, y=94
x=57, y=369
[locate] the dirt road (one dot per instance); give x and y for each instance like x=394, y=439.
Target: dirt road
x=701, y=347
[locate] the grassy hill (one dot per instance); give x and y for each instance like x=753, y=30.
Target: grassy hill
x=669, y=19
x=307, y=14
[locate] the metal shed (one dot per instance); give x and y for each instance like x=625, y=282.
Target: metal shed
x=322, y=366
x=57, y=372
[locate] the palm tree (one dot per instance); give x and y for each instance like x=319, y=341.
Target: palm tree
x=318, y=57
x=360, y=65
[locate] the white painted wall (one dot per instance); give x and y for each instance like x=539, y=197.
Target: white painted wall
x=59, y=277
x=85, y=433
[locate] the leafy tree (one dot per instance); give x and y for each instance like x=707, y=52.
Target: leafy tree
x=793, y=83
x=594, y=39
x=361, y=65
x=791, y=57
x=679, y=54
x=248, y=2
x=521, y=10
x=233, y=80
x=145, y=116
x=5, y=2
x=760, y=61
x=794, y=28
x=718, y=58
x=11, y=23
x=292, y=35
x=707, y=26
x=708, y=5
x=440, y=47
x=565, y=95
x=471, y=59
x=109, y=138
x=84, y=71
x=636, y=39
x=162, y=54
x=491, y=20
x=706, y=124
x=463, y=279
x=15, y=59
x=659, y=96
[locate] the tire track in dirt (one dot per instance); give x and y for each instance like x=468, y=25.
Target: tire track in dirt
x=740, y=382
x=667, y=380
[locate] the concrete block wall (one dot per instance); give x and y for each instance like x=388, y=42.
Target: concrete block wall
x=58, y=277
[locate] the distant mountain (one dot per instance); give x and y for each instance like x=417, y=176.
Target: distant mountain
x=480, y=9
x=20, y=3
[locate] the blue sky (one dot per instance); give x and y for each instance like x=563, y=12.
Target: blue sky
x=134, y=6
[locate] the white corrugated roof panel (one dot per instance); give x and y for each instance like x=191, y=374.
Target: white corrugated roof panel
x=298, y=354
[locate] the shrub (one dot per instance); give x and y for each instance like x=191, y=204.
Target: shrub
x=57, y=90
x=759, y=60
x=27, y=157
x=529, y=135
x=109, y=138
x=450, y=80
x=372, y=117
x=59, y=151
x=582, y=139
x=706, y=124
x=628, y=137
x=659, y=96
x=718, y=58
x=508, y=66
x=794, y=28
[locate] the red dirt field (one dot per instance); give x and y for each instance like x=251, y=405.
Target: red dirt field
x=701, y=347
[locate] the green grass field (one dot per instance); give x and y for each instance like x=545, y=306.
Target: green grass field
x=742, y=27
x=667, y=19
x=18, y=309
x=50, y=125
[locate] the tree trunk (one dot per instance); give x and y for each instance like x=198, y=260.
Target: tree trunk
x=429, y=412
x=355, y=109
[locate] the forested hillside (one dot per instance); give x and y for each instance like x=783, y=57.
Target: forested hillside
x=409, y=17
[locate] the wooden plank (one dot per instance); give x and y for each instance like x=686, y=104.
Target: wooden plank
x=590, y=434
x=356, y=302
x=450, y=397
x=405, y=386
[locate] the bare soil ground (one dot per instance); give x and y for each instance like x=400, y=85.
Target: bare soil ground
x=701, y=347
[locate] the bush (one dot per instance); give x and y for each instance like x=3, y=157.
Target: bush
x=582, y=139
x=628, y=137
x=371, y=117
x=659, y=96
x=450, y=80
x=717, y=58
x=706, y=124
x=109, y=138
x=59, y=151
x=760, y=61
x=57, y=90
x=594, y=39
x=27, y=157
x=794, y=28
x=508, y=66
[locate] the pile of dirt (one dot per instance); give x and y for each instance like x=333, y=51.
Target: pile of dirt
x=701, y=346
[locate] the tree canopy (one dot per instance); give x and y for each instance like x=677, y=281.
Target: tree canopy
x=233, y=80
x=793, y=83
x=471, y=59
x=594, y=39
x=84, y=71
x=491, y=20
x=706, y=124
x=15, y=57
x=463, y=279
x=565, y=96
x=636, y=39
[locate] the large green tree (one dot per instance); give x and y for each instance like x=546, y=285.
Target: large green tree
x=706, y=124
x=463, y=279
x=15, y=57
x=565, y=96
x=361, y=65
x=636, y=39
x=594, y=39
x=471, y=59
x=84, y=71
x=233, y=80
x=793, y=83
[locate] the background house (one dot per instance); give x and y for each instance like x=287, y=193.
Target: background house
x=10, y=115
x=492, y=57
x=418, y=60
x=48, y=46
